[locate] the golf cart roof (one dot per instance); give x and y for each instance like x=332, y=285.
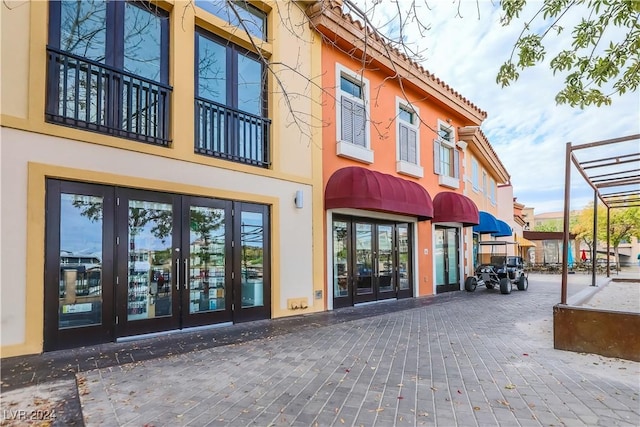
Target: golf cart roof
x=495, y=243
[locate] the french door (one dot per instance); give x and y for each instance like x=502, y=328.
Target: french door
x=447, y=259
x=165, y=261
x=371, y=261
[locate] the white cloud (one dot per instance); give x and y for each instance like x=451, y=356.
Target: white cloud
x=525, y=126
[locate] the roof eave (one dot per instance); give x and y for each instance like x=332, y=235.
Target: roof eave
x=328, y=20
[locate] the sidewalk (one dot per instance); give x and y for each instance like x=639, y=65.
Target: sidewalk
x=460, y=358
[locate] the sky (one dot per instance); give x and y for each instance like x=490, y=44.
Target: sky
x=524, y=125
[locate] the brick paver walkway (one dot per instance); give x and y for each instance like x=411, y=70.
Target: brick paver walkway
x=457, y=359
x=479, y=360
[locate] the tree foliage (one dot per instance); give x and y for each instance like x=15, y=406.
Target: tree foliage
x=603, y=59
x=624, y=223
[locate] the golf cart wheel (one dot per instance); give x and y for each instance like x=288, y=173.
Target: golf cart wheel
x=523, y=283
x=505, y=286
x=470, y=284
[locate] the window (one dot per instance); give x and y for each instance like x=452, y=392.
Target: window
x=253, y=20
x=108, y=68
x=492, y=191
x=230, y=102
x=446, y=157
x=475, y=174
x=484, y=184
x=352, y=112
x=352, y=99
x=408, y=139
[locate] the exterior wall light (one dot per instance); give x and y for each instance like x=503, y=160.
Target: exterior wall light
x=299, y=200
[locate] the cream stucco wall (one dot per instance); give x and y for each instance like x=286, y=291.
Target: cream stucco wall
x=33, y=149
x=27, y=158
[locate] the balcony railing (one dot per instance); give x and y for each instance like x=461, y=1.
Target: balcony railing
x=231, y=134
x=86, y=94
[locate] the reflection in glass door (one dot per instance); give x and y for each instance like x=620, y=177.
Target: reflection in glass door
x=447, y=259
x=363, y=270
x=122, y=262
x=385, y=262
x=405, y=270
x=371, y=261
x=78, y=276
x=208, y=284
x=148, y=262
x=251, y=287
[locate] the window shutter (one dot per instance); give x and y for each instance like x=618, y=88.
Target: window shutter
x=474, y=172
x=456, y=163
x=413, y=149
x=436, y=157
x=359, y=134
x=404, y=148
x=347, y=119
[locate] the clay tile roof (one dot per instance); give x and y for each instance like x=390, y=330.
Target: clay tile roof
x=336, y=7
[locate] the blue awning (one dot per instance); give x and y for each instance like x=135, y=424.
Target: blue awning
x=504, y=229
x=488, y=224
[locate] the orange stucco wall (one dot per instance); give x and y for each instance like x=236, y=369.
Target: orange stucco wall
x=382, y=110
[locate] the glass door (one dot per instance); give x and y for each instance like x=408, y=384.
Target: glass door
x=78, y=265
x=251, y=273
x=386, y=262
x=206, y=248
x=122, y=262
x=149, y=262
x=371, y=261
x=447, y=259
x=405, y=264
x=342, y=265
x=364, y=261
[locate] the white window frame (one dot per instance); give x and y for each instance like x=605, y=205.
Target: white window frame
x=446, y=180
x=347, y=149
x=403, y=166
x=492, y=191
x=484, y=183
x=475, y=174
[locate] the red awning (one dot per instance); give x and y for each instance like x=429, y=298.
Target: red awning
x=454, y=207
x=360, y=188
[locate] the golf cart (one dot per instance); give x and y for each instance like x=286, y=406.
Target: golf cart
x=496, y=269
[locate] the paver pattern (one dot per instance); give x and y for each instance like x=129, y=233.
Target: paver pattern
x=478, y=360
x=457, y=359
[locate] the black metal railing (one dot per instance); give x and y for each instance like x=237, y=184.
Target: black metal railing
x=231, y=134
x=86, y=94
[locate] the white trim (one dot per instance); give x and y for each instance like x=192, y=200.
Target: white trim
x=475, y=177
x=410, y=169
x=444, y=125
x=413, y=225
x=346, y=148
x=373, y=214
x=402, y=166
x=449, y=181
x=461, y=254
x=354, y=152
x=493, y=188
x=329, y=263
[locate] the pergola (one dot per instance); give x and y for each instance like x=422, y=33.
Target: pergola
x=615, y=180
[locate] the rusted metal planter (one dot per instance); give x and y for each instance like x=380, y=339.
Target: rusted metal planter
x=591, y=330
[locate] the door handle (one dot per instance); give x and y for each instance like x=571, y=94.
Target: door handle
x=177, y=250
x=177, y=274
x=185, y=274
